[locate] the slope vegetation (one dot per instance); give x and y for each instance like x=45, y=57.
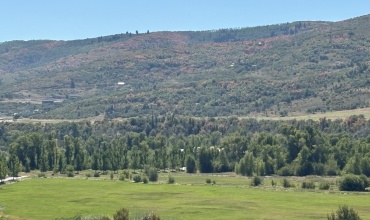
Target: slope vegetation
x=276, y=70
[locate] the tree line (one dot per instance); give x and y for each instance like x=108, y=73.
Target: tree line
x=247, y=146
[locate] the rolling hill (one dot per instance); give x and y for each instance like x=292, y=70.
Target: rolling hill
x=282, y=69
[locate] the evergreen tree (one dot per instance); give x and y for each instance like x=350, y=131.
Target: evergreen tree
x=205, y=160
x=3, y=168
x=135, y=158
x=27, y=167
x=61, y=163
x=44, y=166
x=247, y=165
x=14, y=165
x=69, y=149
x=96, y=162
x=190, y=164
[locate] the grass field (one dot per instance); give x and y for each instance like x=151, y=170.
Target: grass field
x=190, y=198
x=298, y=116
x=328, y=115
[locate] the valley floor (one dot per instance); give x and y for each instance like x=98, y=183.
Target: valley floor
x=230, y=197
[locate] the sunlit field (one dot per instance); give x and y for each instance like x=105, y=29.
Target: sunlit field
x=227, y=197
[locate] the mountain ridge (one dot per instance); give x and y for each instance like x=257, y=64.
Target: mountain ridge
x=223, y=72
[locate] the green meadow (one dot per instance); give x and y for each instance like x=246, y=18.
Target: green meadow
x=190, y=198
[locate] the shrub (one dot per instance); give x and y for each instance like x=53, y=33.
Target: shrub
x=273, y=183
x=365, y=179
x=214, y=182
x=121, y=177
x=331, y=170
x=256, y=181
x=344, y=213
x=121, y=214
x=111, y=176
x=286, y=171
x=96, y=174
x=70, y=168
x=137, y=178
x=151, y=216
x=88, y=175
x=171, y=180
x=324, y=186
x=308, y=185
x=41, y=175
x=127, y=174
x=287, y=183
x=153, y=174
x=208, y=181
x=145, y=180
x=351, y=182
x=319, y=169
x=70, y=174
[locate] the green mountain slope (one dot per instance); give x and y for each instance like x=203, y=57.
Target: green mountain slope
x=281, y=69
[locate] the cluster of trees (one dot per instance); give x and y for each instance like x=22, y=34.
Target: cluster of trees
x=251, y=33
x=248, y=147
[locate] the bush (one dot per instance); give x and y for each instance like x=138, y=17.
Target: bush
x=208, y=181
x=171, y=180
x=111, y=176
x=145, y=180
x=273, y=183
x=137, y=178
x=287, y=183
x=286, y=171
x=121, y=177
x=121, y=214
x=153, y=174
x=324, y=186
x=146, y=169
x=351, y=182
x=365, y=179
x=41, y=175
x=308, y=185
x=319, y=169
x=344, y=213
x=88, y=175
x=256, y=181
x=214, y=182
x=70, y=174
x=96, y=174
x=151, y=216
x=331, y=170
x=70, y=168
x=127, y=174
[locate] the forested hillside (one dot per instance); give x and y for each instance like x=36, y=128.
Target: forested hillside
x=277, y=70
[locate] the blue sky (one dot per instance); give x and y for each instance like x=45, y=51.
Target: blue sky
x=79, y=19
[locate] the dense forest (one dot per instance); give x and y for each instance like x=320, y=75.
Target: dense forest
x=247, y=146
